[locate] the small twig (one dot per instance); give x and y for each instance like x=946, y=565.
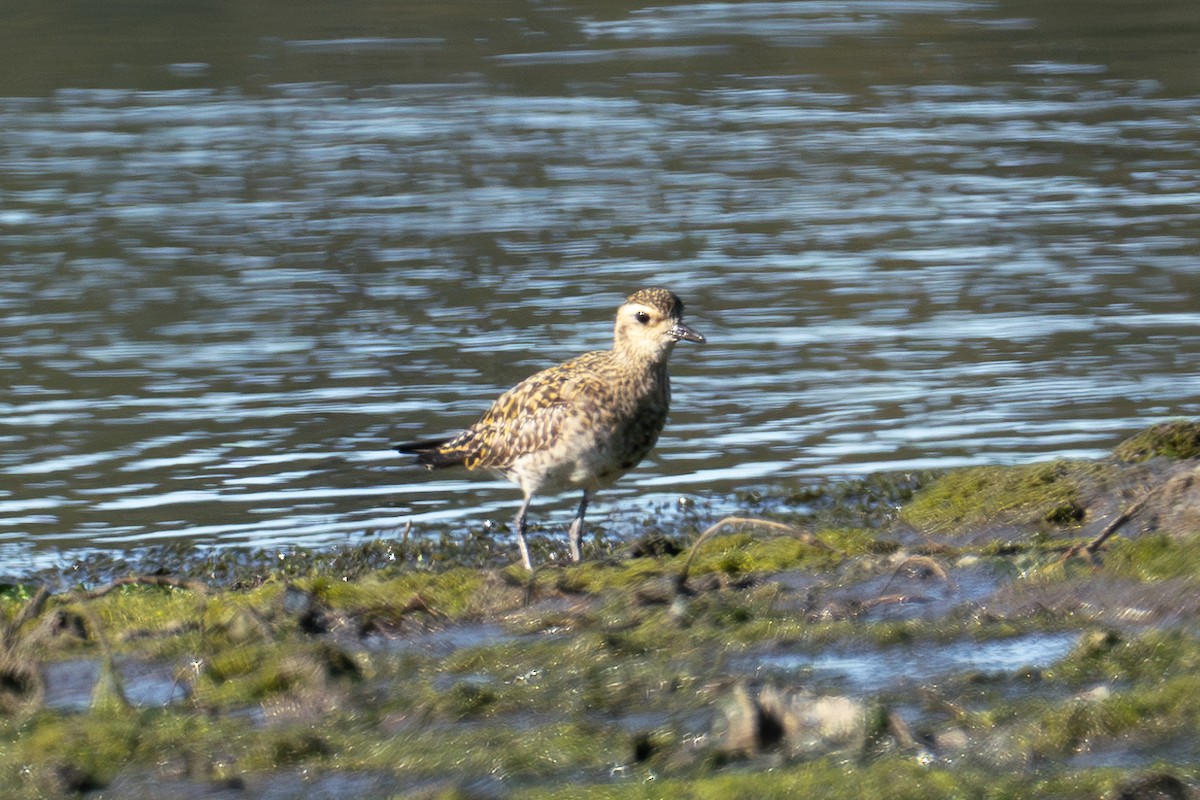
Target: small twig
x=29, y=611
x=928, y=563
x=418, y=603
x=923, y=561
x=746, y=522
x=1112, y=527
x=892, y=600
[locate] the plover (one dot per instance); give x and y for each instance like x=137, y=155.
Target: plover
x=582, y=424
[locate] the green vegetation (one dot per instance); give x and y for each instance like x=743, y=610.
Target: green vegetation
x=1043, y=496
x=617, y=678
x=1157, y=557
x=897, y=777
x=1179, y=440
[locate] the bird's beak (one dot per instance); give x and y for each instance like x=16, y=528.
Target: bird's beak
x=681, y=332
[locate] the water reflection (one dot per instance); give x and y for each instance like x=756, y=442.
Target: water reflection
x=872, y=672
x=239, y=262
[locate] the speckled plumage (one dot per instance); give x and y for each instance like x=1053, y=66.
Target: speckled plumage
x=582, y=424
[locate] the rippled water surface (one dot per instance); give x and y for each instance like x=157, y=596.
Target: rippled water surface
x=866, y=672
x=243, y=251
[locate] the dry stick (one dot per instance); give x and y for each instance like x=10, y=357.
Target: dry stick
x=1109, y=529
x=29, y=611
x=926, y=562
x=923, y=561
x=750, y=522
x=892, y=600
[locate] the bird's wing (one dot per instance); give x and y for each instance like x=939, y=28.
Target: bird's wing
x=527, y=418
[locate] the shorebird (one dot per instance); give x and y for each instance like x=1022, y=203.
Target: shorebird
x=579, y=425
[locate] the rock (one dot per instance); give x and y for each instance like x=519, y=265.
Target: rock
x=1096, y=694
x=1175, y=508
x=1154, y=477
x=661, y=590
x=306, y=608
x=21, y=686
x=748, y=729
x=1156, y=786
x=71, y=624
x=1178, y=440
x=800, y=722
x=814, y=722
x=76, y=780
x=950, y=741
x=654, y=544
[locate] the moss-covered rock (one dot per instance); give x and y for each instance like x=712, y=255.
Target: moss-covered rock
x=1179, y=439
x=1047, y=495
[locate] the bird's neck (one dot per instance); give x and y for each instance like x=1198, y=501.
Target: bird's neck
x=645, y=372
x=637, y=359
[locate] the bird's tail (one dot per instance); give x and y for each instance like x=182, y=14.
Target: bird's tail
x=430, y=453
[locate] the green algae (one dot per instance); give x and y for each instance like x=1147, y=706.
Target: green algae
x=1178, y=440
x=1106, y=656
x=1143, y=689
x=603, y=679
x=454, y=593
x=539, y=707
x=898, y=777
x=1044, y=496
x=748, y=552
x=1156, y=557
x=868, y=502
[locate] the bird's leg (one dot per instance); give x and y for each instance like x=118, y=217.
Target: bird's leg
x=575, y=534
x=521, y=543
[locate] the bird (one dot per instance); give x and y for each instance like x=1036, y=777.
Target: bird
x=581, y=424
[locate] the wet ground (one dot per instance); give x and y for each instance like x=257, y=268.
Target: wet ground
x=781, y=655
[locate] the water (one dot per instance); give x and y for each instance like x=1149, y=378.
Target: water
x=868, y=672
x=245, y=250
x=70, y=685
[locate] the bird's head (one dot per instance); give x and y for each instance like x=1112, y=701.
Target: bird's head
x=649, y=323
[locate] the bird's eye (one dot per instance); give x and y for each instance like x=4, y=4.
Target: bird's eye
x=642, y=317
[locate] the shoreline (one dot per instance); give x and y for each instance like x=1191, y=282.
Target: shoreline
x=963, y=634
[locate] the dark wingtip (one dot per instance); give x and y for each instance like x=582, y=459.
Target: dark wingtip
x=429, y=454
x=420, y=446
